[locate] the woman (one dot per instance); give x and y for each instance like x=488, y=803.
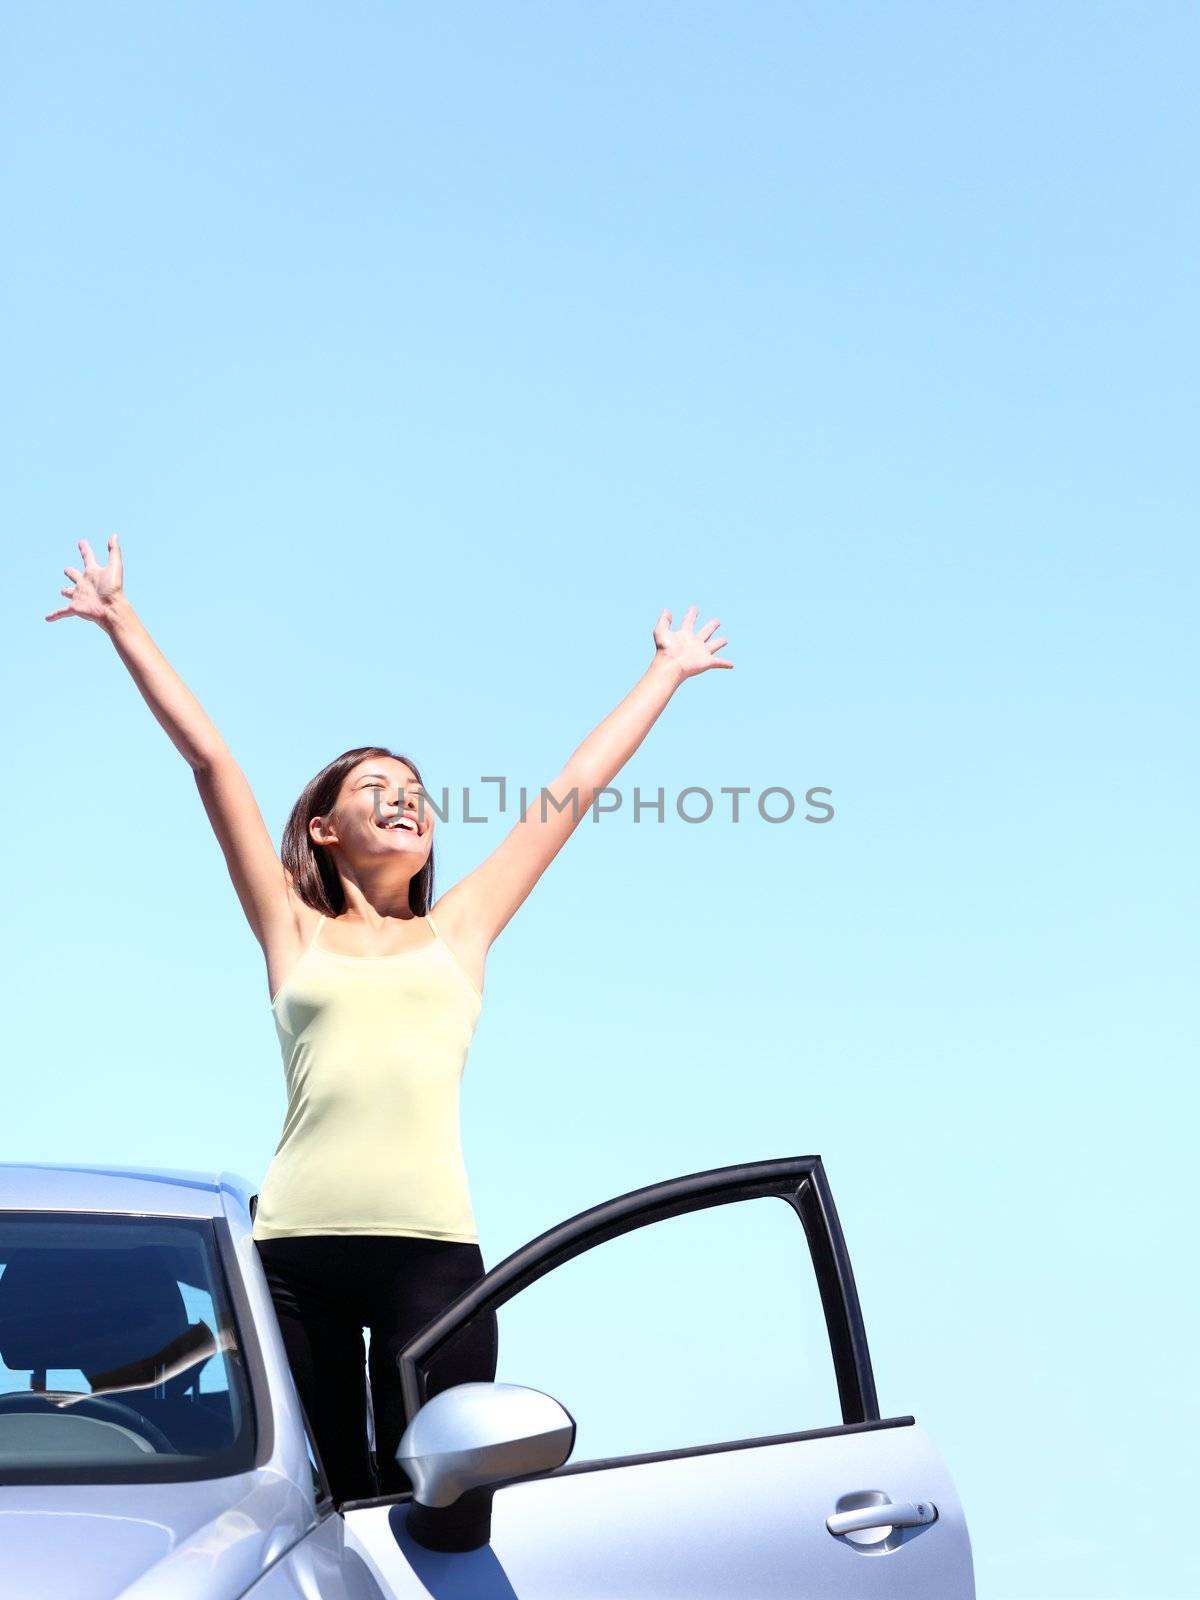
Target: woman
x=365, y=1216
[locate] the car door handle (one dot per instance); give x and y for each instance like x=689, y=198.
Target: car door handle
x=892, y=1514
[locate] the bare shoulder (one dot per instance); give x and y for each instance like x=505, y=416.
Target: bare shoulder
x=462, y=932
x=454, y=915
x=286, y=937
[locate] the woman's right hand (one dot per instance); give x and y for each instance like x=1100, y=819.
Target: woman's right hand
x=97, y=588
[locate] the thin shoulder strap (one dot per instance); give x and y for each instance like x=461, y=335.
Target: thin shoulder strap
x=312, y=943
x=455, y=959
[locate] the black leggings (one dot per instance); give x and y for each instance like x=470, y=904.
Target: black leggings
x=326, y=1289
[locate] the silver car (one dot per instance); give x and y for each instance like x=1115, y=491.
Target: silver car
x=177, y=1464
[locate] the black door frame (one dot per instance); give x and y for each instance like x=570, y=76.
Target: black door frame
x=799, y=1180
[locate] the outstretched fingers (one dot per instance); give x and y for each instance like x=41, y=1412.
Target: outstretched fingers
x=95, y=585
x=692, y=650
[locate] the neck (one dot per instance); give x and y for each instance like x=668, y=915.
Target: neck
x=376, y=904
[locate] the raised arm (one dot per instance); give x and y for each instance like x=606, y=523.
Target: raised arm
x=257, y=872
x=482, y=903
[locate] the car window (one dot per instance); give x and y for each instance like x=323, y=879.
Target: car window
x=119, y=1353
x=700, y=1328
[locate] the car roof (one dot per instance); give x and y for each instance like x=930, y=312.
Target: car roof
x=154, y=1191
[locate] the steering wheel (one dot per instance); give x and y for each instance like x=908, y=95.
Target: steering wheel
x=110, y=1410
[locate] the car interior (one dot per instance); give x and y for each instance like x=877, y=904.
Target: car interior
x=102, y=1358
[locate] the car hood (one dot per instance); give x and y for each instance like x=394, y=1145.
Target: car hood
x=207, y=1540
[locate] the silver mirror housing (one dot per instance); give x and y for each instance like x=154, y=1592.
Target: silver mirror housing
x=475, y=1434
x=467, y=1440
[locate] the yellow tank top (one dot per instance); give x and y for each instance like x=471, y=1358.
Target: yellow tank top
x=374, y=1049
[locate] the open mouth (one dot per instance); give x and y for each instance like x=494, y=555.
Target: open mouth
x=405, y=824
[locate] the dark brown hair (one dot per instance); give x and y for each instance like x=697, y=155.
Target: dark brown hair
x=314, y=875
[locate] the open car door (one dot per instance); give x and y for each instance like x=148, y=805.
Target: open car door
x=863, y=1509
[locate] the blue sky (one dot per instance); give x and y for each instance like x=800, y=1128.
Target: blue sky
x=420, y=359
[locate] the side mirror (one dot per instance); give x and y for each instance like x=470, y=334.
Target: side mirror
x=467, y=1440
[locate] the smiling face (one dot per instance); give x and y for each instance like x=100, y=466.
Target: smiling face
x=379, y=811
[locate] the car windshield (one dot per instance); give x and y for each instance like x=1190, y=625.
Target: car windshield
x=119, y=1355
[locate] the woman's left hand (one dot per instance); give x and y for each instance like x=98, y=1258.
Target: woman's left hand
x=688, y=652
